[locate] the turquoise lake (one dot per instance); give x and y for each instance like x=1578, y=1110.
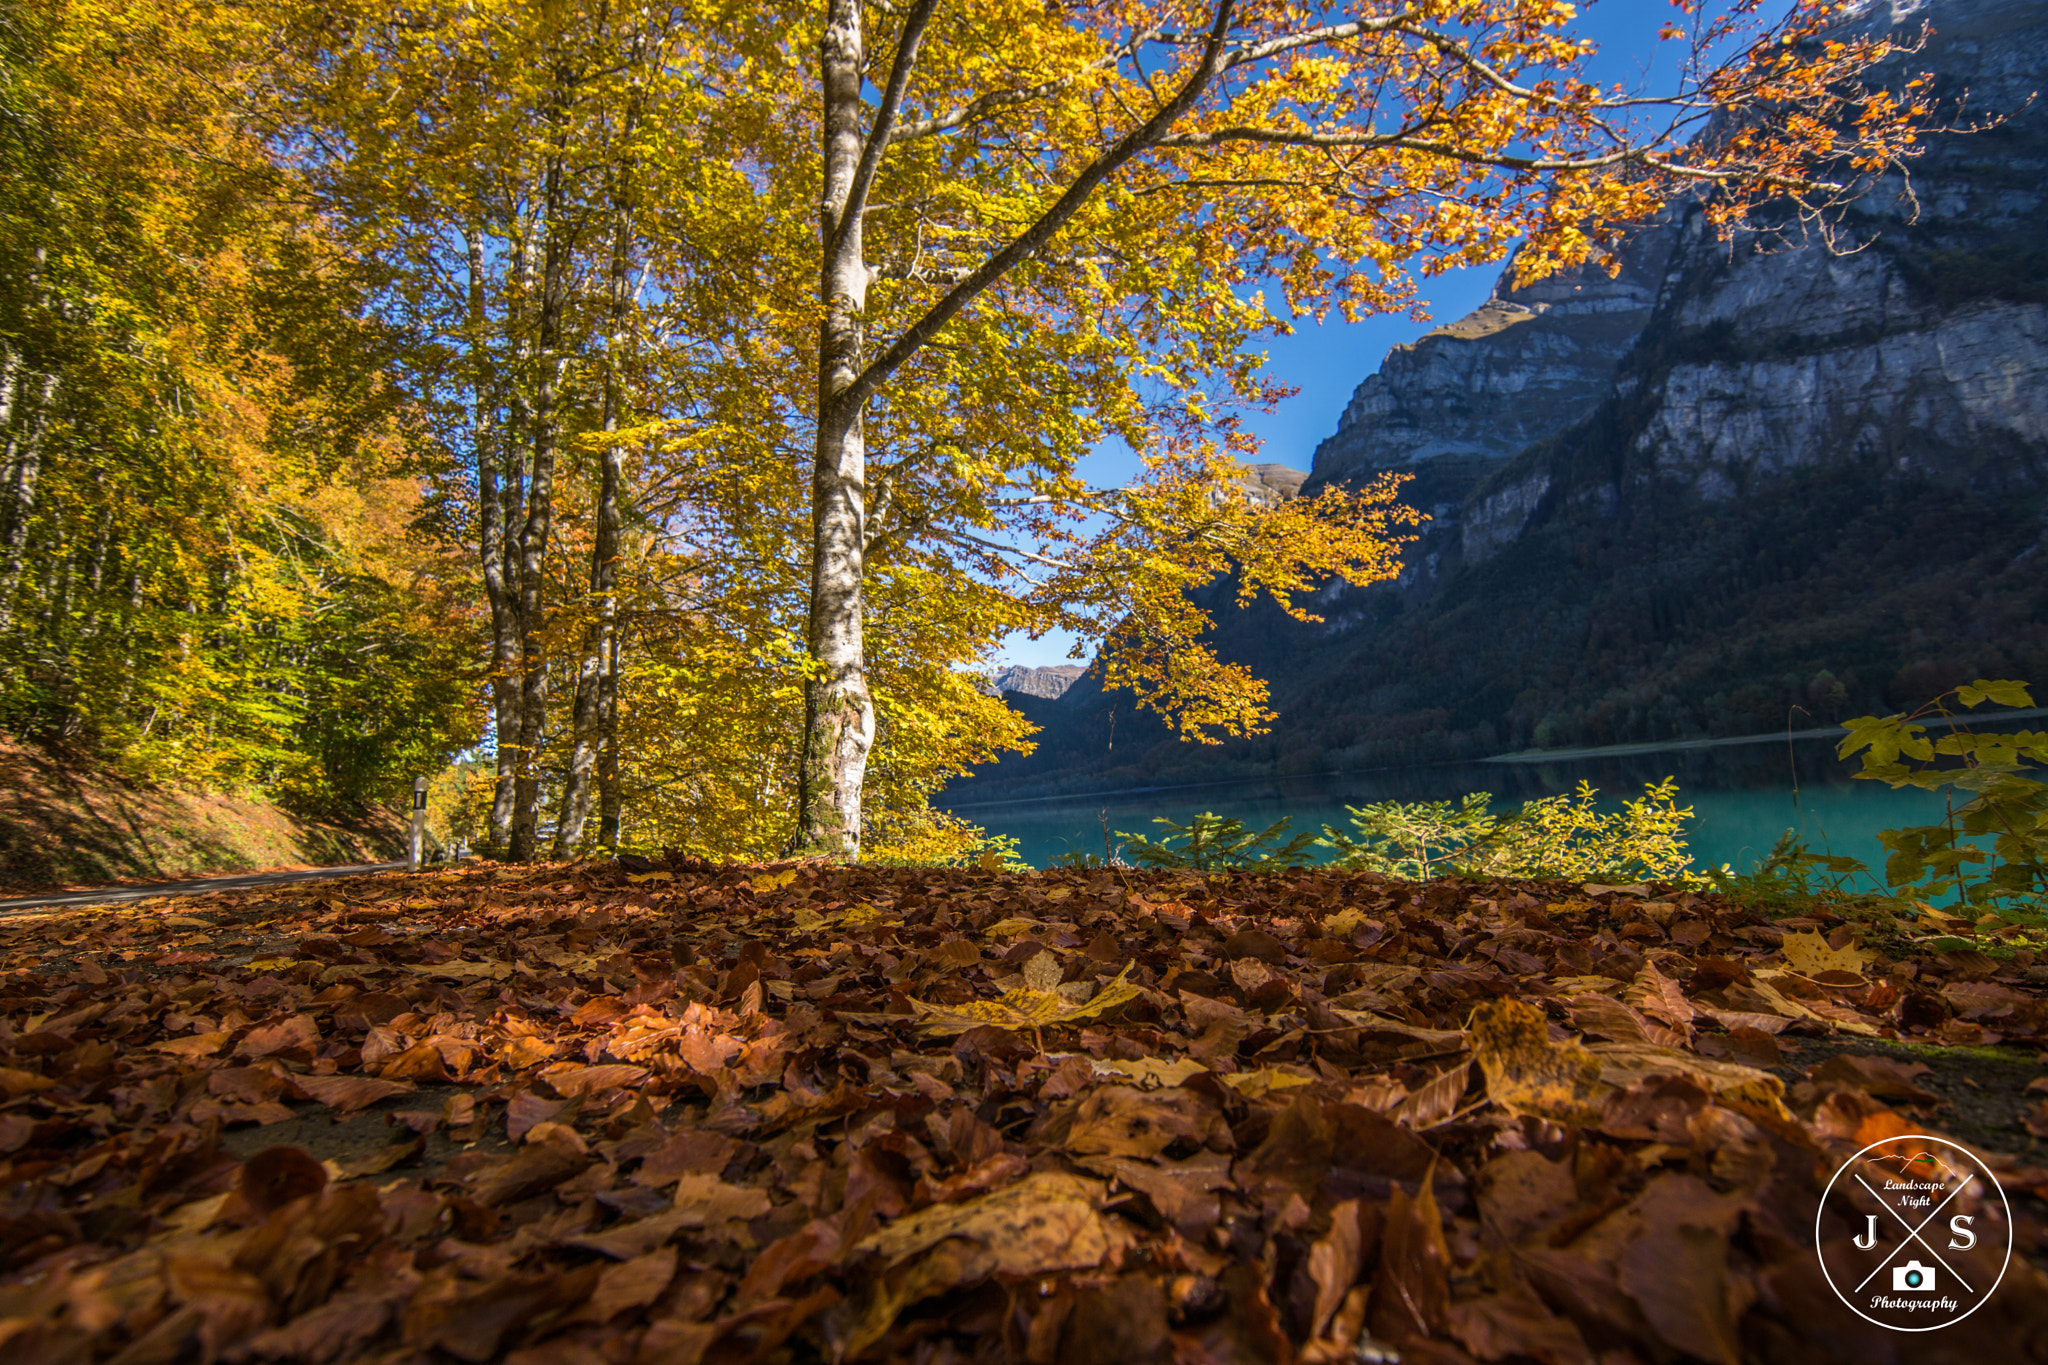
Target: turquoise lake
x=1742, y=797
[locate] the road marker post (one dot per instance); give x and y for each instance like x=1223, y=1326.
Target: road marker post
x=415, y=846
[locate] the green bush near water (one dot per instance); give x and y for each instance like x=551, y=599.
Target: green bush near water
x=1994, y=784
x=1554, y=836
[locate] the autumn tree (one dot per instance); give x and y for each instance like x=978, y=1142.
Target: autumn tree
x=487, y=157
x=207, y=563
x=1035, y=225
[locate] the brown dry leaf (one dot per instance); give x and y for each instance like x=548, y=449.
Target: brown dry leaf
x=1821, y=1011
x=1115, y=1120
x=1605, y=1017
x=1043, y=972
x=1675, y=1268
x=18, y=1082
x=347, y=1094
x=631, y=1284
x=276, y=1176
x=589, y=1080
x=1659, y=997
x=298, y=1034
x=1515, y=1324
x=1333, y=1264
x=194, y=1045
x=709, y=1200
x=422, y=1062
x=1182, y=1191
x=1884, y=1077
x=1411, y=1296
x=1436, y=1099
x=638, y=1237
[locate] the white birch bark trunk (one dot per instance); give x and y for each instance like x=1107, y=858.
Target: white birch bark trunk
x=598, y=650
x=533, y=538
x=839, y=714
x=486, y=446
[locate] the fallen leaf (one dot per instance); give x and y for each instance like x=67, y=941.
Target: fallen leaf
x=1809, y=954
x=1525, y=1072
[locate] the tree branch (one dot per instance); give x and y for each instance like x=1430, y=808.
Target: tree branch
x=1052, y=220
x=914, y=25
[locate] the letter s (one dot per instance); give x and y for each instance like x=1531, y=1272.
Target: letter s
x=1959, y=1226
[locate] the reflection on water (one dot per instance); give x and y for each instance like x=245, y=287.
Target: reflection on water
x=1741, y=796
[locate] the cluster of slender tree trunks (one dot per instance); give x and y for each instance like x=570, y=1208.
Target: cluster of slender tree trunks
x=517, y=438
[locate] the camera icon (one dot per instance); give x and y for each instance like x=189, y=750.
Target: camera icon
x=1912, y=1278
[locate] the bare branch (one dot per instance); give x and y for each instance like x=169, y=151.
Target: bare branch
x=914, y=25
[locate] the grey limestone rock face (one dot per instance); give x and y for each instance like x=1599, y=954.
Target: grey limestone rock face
x=1914, y=343
x=1525, y=365
x=1049, y=683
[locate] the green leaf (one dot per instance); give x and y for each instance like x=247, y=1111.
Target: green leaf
x=2004, y=691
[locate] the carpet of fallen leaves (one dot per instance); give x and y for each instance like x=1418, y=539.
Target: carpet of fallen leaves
x=679, y=1114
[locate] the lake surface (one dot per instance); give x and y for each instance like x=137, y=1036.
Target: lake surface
x=1742, y=799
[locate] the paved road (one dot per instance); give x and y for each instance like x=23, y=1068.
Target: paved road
x=106, y=894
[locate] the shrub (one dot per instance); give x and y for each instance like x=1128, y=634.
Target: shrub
x=1553, y=836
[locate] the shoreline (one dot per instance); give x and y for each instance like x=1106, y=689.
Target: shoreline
x=1526, y=756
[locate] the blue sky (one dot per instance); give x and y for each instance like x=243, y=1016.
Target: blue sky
x=1325, y=363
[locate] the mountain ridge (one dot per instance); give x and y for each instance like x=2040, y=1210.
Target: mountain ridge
x=1811, y=481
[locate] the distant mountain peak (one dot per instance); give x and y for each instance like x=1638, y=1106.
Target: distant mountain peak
x=1049, y=683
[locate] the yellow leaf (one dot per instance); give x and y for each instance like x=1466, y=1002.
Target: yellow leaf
x=1151, y=1071
x=773, y=881
x=194, y=1045
x=1809, y=955
x=1758, y=1094
x=1525, y=1072
x=638, y=878
x=1264, y=1081
x=1006, y=927
x=1024, y=1008
x=1345, y=922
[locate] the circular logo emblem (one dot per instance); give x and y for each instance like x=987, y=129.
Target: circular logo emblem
x=1914, y=1233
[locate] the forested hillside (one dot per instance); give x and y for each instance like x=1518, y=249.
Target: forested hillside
x=1783, y=481
x=212, y=563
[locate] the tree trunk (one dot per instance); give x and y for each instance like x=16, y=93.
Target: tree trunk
x=608, y=798
x=839, y=715
x=491, y=540
x=533, y=539
x=598, y=648
x=25, y=445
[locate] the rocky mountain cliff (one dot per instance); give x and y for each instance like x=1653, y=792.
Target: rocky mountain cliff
x=1528, y=363
x=1047, y=683
x=1737, y=479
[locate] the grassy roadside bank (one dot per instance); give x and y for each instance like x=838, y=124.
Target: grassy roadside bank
x=65, y=826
